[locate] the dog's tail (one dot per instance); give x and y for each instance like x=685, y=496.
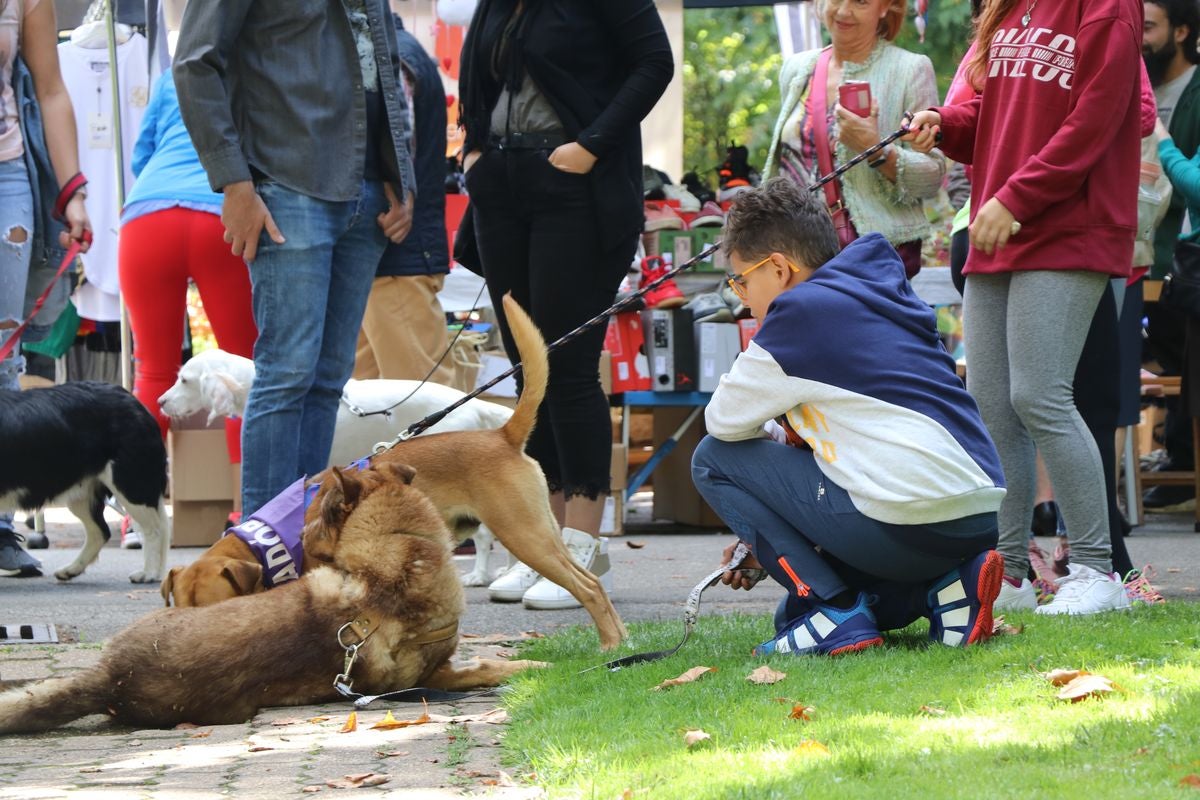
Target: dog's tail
x=535, y=366
x=48, y=704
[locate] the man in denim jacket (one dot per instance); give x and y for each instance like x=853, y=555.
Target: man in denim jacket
x=294, y=108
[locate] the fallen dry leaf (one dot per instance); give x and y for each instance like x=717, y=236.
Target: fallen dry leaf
x=201, y=734
x=258, y=748
x=1086, y=686
x=801, y=711
x=1061, y=677
x=184, y=726
x=390, y=753
x=1174, y=569
x=811, y=747
x=390, y=723
x=315, y=720
x=632, y=545
x=1192, y=780
x=693, y=738
x=91, y=769
x=692, y=674
x=933, y=711
x=533, y=635
x=497, y=716
x=999, y=628
x=311, y=789
x=351, y=723
x=764, y=675
x=279, y=723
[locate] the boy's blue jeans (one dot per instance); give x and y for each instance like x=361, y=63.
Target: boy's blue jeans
x=309, y=294
x=809, y=537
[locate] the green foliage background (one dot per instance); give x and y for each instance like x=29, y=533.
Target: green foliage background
x=731, y=65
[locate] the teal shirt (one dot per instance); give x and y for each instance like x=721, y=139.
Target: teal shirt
x=164, y=160
x=1184, y=173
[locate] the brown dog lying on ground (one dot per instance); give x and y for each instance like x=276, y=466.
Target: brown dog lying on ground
x=471, y=477
x=387, y=570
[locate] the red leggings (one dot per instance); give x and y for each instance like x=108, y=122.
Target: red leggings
x=159, y=252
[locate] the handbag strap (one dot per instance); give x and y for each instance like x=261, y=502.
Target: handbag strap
x=818, y=113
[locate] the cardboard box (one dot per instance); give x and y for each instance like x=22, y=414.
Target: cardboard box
x=625, y=341
x=606, y=372
x=675, y=496
x=619, y=471
x=670, y=349
x=747, y=327
x=719, y=344
x=702, y=238
x=198, y=523
x=676, y=247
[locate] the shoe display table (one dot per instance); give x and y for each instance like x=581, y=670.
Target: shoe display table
x=696, y=401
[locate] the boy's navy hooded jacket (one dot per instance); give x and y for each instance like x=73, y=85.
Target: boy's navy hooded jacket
x=850, y=364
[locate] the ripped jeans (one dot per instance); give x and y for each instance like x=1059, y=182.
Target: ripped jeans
x=16, y=235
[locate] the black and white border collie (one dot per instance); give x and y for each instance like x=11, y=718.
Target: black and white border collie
x=76, y=444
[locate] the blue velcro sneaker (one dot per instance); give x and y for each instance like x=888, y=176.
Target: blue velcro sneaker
x=827, y=631
x=960, y=602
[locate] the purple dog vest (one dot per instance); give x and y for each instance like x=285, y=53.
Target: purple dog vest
x=273, y=534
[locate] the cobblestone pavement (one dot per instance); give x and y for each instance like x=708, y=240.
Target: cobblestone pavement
x=290, y=751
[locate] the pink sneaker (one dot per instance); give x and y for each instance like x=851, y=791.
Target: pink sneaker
x=666, y=295
x=710, y=215
x=661, y=217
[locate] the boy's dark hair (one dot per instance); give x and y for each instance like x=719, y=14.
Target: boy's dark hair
x=1184, y=13
x=780, y=217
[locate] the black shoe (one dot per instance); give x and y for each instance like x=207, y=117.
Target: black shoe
x=1126, y=528
x=1169, y=498
x=14, y=560
x=1045, y=519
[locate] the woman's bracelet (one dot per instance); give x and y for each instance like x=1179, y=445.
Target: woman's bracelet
x=73, y=187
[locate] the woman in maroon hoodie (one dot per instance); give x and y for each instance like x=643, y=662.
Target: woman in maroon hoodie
x=1054, y=140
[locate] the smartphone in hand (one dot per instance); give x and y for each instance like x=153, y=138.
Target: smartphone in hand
x=855, y=96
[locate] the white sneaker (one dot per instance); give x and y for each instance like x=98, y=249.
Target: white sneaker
x=131, y=537
x=512, y=585
x=1086, y=591
x=588, y=552
x=1015, y=598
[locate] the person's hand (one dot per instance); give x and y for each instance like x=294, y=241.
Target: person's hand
x=923, y=130
x=745, y=576
x=245, y=215
x=396, y=222
x=76, y=218
x=469, y=160
x=572, y=157
x=993, y=226
x=857, y=133
x=1161, y=134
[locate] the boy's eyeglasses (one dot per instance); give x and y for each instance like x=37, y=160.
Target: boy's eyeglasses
x=737, y=281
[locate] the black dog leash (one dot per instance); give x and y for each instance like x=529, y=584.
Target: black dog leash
x=420, y=426
x=691, y=612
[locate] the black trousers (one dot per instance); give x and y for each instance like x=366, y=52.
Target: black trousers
x=538, y=236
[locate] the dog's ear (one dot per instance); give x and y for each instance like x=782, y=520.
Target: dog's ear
x=218, y=389
x=342, y=490
x=168, y=584
x=402, y=472
x=244, y=576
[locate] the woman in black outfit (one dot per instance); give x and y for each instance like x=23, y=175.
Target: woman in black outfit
x=553, y=92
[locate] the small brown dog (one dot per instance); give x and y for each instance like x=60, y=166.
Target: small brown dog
x=387, y=571
x=471, y=477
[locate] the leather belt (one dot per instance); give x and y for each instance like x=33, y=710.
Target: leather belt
x=527, y=141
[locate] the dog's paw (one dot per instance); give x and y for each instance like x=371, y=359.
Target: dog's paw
x=142, y=577
x=475, y=578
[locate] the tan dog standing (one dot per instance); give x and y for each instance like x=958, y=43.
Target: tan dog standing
x=390, y=573
x=470, y=476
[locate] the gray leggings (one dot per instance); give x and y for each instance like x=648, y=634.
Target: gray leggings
x=1023, y=333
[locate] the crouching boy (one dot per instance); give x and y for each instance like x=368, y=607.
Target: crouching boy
x=842, y=447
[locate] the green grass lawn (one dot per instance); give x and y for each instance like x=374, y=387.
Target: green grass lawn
x=1002, y=733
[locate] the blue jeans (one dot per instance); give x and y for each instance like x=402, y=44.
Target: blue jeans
x=16, y=216
x=777, y=500
x=309, y=294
